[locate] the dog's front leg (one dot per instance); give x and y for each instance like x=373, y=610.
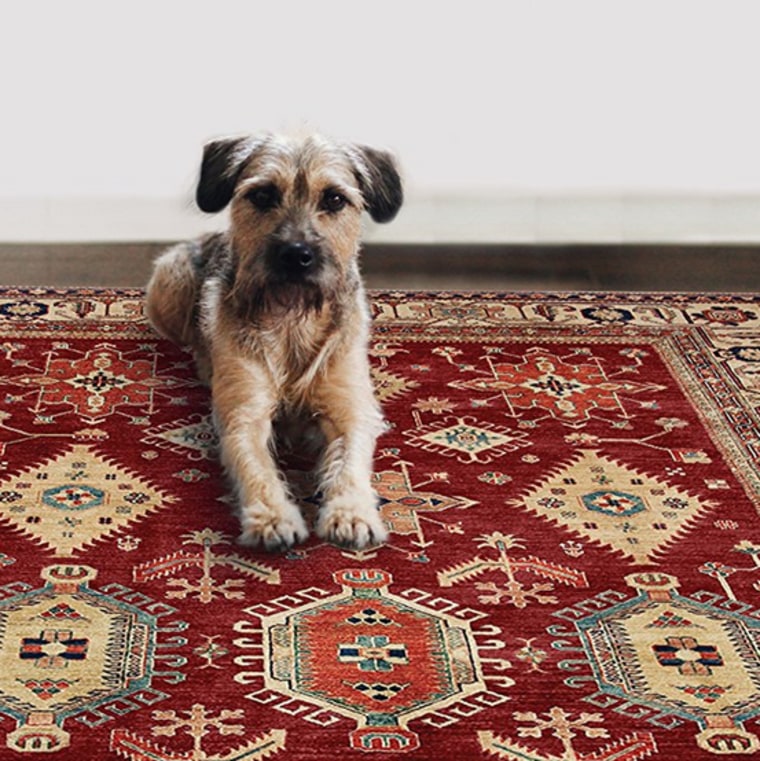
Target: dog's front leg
x=244, y=405
x=351, y=421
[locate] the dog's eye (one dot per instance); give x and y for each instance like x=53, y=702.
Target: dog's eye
x=333, y=201
x=264, y=198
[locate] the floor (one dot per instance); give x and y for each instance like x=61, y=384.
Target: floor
x=448, y=267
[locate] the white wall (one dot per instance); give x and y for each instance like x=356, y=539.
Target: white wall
x=514, y=119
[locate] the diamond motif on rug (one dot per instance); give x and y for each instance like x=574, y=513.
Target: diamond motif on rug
x=57, y=504
x=615, y=505
x=467, y=439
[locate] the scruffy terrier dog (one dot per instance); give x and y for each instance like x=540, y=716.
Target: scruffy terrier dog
x=275, y=312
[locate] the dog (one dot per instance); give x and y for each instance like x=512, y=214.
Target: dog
x=276, y=314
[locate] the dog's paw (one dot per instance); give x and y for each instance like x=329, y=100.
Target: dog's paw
x=275, y=529
x=351, y=523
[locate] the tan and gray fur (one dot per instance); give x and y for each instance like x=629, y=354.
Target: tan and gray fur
x=275, y=312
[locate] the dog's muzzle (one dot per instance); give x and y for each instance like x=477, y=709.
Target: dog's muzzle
x=294, y=261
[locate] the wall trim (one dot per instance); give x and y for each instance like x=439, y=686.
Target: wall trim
x=477, y=219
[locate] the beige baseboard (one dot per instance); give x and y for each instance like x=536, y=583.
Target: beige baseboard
x=424, y=219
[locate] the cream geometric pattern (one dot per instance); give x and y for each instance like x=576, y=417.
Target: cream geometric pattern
x=76, y=498
x=617, y=506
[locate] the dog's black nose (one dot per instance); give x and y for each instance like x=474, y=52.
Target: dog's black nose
x=297, y=256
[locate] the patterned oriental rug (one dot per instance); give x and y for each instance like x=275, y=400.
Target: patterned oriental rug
x=571, y=483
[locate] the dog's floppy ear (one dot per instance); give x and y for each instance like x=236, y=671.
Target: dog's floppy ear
x=223, y=160
x=379, y=181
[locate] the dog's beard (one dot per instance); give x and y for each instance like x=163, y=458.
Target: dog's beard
x=257, y=298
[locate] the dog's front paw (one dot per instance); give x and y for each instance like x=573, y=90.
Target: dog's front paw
x=276, y=529
x=354, y=523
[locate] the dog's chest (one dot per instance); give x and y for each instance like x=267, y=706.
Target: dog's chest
x=295, y=351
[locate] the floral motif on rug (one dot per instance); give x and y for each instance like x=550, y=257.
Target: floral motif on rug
x=570, y=482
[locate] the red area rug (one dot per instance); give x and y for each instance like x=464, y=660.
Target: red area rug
x=570, y=482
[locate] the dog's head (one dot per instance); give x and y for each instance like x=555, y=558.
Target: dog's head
x=295, y=211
